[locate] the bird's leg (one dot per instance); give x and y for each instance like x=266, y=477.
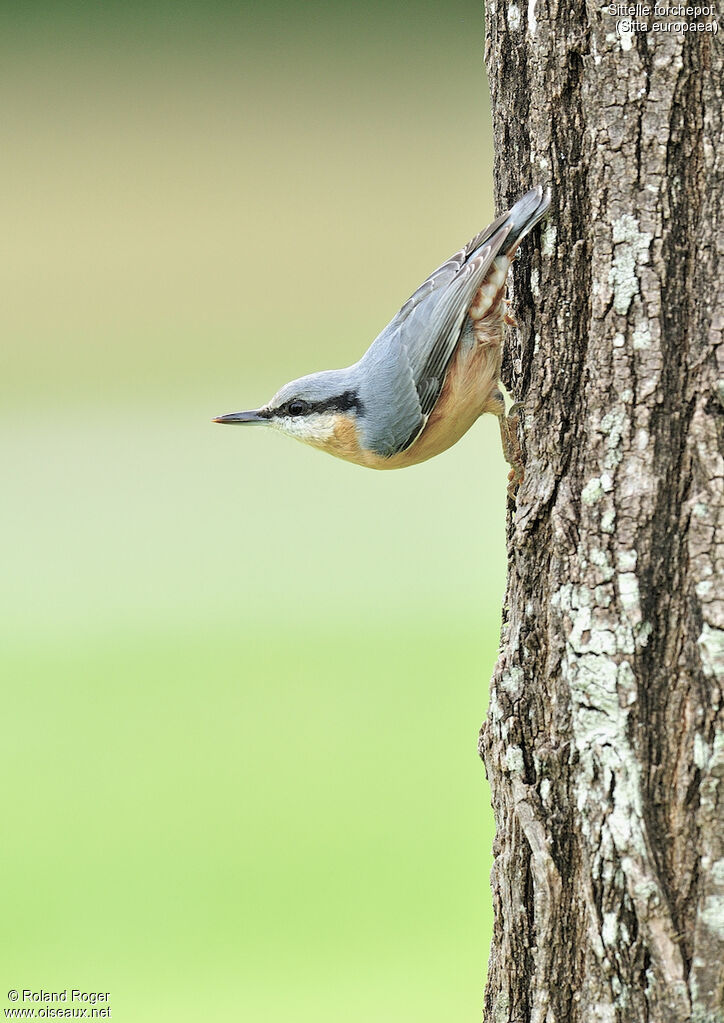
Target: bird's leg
x=508, y=317
x=511, y=447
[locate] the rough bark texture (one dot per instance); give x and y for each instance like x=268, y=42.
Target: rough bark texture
x=604, y=743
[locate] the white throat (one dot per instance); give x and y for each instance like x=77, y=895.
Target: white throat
x=312, y=429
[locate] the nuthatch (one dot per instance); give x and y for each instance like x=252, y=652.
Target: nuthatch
x=431, y=372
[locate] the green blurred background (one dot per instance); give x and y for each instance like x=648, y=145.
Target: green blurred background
x=243, y=680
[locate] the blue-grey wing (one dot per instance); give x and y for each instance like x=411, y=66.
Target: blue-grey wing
x=428, y=326
x=404, y=369
x=393, y=414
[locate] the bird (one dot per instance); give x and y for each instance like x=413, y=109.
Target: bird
x=429, y=375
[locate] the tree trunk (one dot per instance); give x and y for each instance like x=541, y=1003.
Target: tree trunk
x=604, y=743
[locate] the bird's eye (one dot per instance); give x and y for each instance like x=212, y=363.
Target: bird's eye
x=297, y=408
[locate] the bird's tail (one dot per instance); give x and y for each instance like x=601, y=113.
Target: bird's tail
x=526, y=213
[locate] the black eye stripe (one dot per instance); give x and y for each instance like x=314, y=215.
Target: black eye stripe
x=340, y=403
x=348, y=401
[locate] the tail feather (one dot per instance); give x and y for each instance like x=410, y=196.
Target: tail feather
x=526, y=213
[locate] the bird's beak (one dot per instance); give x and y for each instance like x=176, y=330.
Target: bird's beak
x=255, y=416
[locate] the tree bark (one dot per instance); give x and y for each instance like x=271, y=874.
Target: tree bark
x=604, y=742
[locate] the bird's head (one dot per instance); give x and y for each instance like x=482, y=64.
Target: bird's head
x=321, y=409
